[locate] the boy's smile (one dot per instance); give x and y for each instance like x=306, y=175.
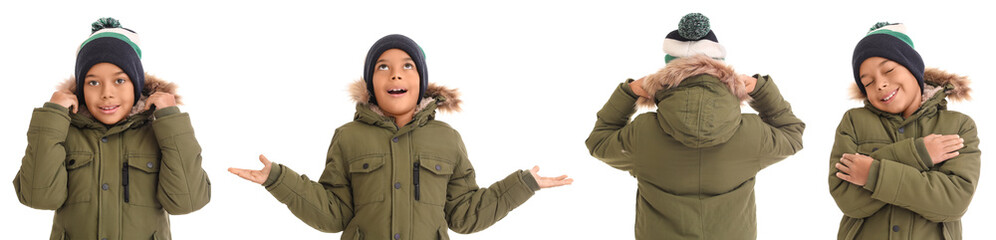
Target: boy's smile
x=108, y=92
x=889, y=86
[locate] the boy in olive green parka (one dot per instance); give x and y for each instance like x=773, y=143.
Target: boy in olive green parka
x=903, y=166
x=111, y=153
x=395, y=172
x=695, y=158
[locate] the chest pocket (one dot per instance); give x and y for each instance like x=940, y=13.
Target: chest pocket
x=143, y=179
x=368, y=180
x=433, y=185
x=79, y=167
x=869, y=148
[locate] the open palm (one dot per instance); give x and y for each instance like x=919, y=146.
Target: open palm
x=256, y=176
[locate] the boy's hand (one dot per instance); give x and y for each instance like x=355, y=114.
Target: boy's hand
x=943, y=147
x=256, y=176
x=854, y=168
x=549, y=182
x=637, y=87
x=749, y=82
x=161, y=100
x=66, y=99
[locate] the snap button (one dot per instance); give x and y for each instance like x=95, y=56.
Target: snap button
x=104, y=186
x=71, y=162
x=395, y=139
x=366, y=165
x=900, y=131
x=438, y=167
x=397, y=185
x=895, y=228
x=149, y=164
x=103, y=139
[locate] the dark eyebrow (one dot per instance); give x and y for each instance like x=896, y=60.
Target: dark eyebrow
x=880, y=64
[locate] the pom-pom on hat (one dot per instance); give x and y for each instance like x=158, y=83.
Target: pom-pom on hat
x=110, y=43
x=888, y=40
x=693, y=37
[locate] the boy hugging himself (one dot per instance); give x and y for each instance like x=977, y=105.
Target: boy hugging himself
x=903, y=166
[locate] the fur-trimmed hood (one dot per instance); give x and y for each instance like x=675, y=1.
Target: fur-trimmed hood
x=683, y=68
x=698, y=100
x=446, y=99
x=955, y=86
x=153, y=84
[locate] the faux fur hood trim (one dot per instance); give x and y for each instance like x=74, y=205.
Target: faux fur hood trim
x=447, y=99
x=960, y=91
x=682, y=68
x=153, y=84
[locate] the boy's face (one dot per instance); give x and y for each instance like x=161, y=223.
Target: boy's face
x=108, y=92
x=396, y=82
x=890, y=86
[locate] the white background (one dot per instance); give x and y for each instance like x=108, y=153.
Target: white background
x=265, y=78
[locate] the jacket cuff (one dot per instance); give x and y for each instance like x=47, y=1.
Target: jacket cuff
x=890, y=177
x=872, y=176
x=275, y=171
x=762, y=82
x=55, y=106
x=529, y=180
x=164, y=112
x=921, y=150
x=627, y=89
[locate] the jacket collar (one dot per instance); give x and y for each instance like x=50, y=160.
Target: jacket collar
x=437, y=98
x=136, y=118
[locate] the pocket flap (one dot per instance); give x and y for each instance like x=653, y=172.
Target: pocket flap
x=76, y=160
x=436, y=166
x=366, y=164
x=145, y=162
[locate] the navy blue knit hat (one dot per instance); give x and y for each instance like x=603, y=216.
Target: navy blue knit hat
x=395, y=41
x=888, y=40
x=110, y=43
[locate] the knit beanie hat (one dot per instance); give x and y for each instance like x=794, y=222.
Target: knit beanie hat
x=110, y=43
x=395, y=41
x=693, y=37
x=888, y=40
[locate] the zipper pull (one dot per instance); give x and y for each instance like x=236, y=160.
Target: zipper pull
x=415, y=171
x=124, y=180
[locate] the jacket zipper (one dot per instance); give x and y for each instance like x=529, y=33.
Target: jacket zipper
x=415, y=171
x=124, y=180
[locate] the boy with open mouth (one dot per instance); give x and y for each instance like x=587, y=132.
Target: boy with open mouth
x=396, y=172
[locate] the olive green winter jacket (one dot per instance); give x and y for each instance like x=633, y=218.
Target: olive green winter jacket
x=906, y=196
x=112, y=182
x=695, y=158
x=385, y=182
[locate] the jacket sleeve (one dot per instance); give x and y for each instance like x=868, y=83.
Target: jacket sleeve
x=41, y=181
x=326, y=205
x=940, y=195
x=184, y=187
x=853, y=200
x=612, y=139
x=782, y=135
x=470, y=208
